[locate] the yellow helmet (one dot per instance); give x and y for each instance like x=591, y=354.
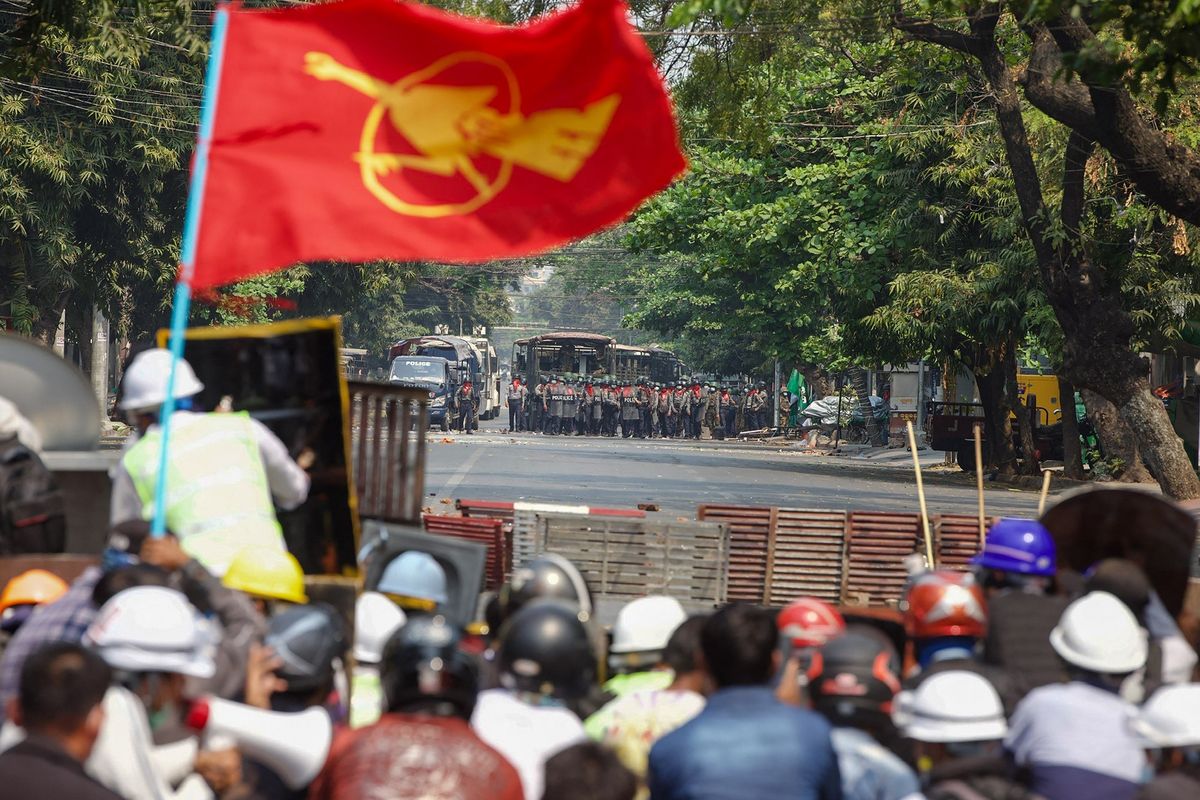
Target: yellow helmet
x=267, y=572
x=31, y=588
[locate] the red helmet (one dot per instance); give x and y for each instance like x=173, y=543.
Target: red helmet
x=810, y=622
x=945, y=603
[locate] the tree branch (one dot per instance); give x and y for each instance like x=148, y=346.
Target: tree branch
x=934, y=34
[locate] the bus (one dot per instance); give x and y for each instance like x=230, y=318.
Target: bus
x=489, y=390
x=592, y=355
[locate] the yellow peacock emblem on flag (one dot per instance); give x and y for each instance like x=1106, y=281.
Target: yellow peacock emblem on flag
x=452, y=127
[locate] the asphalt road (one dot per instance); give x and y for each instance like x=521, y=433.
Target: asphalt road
x=679, y=475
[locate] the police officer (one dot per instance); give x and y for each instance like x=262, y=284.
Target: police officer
x=570, y=407
x=596, y=407
x=537, y=406
x=465, y=397
x=516, y=406
x=663, y=402
x=630, y=413
x=698, y=400
x=727, y=405
x=683, y=411
x=554, y=406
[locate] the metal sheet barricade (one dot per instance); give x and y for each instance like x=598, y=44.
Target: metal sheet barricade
x=957, y=539
x=388, y=450
x=489, y=532
x=750, y=532
x=876, y=546
x=806, y=555
x=625, y=557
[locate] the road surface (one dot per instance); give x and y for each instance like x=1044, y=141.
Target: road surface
x=678, y=475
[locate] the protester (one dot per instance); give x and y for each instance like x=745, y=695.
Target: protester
x=805, y=624
x=1170, y=659
x=234, y=469
x=154, y=640
x=268, y=576
x=545, y=661
x=588, y=771
x=639, y=719
x=956, y=720
x=60, y=708
x=415, y=581
x=745, y=743
x=376, y=618
x=853, y=680
x=1074, y=738
x=22, y=595
x=640, y=634
x=1168, y=726
x=422, y=747
x=1016, y=569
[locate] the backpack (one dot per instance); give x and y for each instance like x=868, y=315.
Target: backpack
x=31, y=505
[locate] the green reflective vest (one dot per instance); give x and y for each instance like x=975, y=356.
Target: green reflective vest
x=218, y=498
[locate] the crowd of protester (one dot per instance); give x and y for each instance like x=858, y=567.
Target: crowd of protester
x=1001, y=683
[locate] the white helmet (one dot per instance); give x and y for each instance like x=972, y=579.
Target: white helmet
x=376, y=618
x=152, y=629
x=1099, y=633
x=1170, y=718
x=951, y=706
x=646, y=624
x=145, y=382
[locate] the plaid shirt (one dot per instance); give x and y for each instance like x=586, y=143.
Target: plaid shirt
x=64, y=620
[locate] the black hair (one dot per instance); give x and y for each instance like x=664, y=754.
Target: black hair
x=60, y=685
x=588, y=771
x=684, y=645
x=738, y=643
x=1124, y=580
x=118, y=580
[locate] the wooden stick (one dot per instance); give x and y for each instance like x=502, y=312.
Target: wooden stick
x=979, y=482
x=912, y=445
x=1045, y=491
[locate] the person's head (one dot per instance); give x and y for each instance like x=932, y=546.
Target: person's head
x=548, y=576
x=738, y=642
x=1017, y=554
x=545, y=651
x=1100, y=640
x=853, y=679
x=683, y=657
x=153, y=639
x=642, y=630
x=144, y=386
x=415, y=581
x=376, y=618
x=1124, y=580
x=588, y=771
x=61, y=690
x=946, y=615
x=115, y=581
x=951, y=714
x=1168, y=726
x=269, y=575
x=26, y=592
x=311, y=642
x=425, y=671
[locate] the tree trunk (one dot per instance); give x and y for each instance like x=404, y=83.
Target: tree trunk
x=1116, y=440
x=858, y=379
x=997, y=421
x=1072, y=447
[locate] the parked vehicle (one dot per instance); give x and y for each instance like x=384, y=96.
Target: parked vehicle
x=463, y=356
x=434, y=374
x=489, y=387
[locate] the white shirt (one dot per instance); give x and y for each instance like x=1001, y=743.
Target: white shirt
x=1076, y=725
x=526, y=735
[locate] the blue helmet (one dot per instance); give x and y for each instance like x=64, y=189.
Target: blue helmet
x=1017, y=545
x=414, y=574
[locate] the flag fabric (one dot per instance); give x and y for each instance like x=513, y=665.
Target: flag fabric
x=375, y=129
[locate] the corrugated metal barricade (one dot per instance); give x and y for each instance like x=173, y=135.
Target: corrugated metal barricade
x=627, y=557
x=857, y=557
x=388, y=445
x=489, y=532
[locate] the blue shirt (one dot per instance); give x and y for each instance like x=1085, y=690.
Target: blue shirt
x=745, y=745
x=869, y=770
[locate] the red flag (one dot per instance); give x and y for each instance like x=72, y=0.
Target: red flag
x=371, y=129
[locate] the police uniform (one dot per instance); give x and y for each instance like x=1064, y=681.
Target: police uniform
x=516, y=406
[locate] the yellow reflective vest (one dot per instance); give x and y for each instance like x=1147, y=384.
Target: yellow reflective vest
x=218, y=498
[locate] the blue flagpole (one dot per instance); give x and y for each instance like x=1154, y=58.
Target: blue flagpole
x=187, y=257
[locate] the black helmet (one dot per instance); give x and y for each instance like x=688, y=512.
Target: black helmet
x=308, y=639
x=423, y=663
x=854, y=675
x=547, y=576
x=545, y=649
